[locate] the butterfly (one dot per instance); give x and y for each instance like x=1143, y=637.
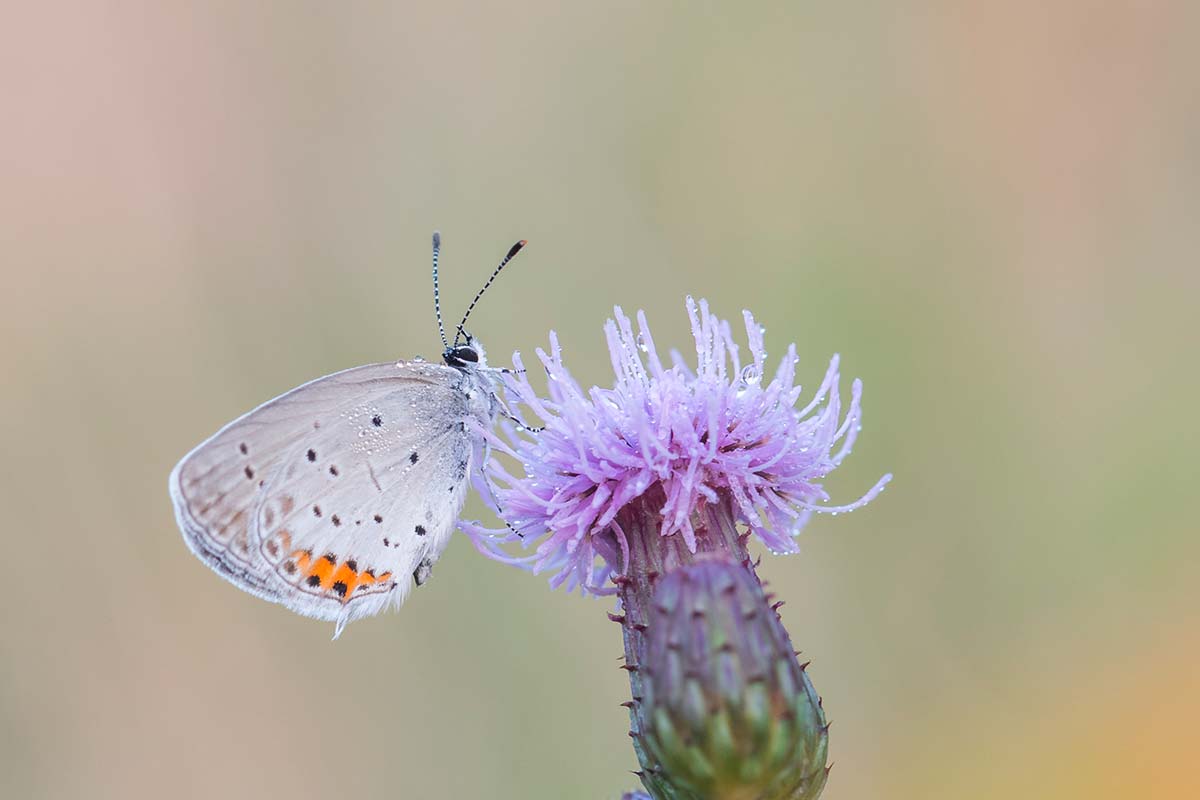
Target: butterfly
x=335, y=498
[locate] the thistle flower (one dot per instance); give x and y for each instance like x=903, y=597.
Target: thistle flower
x=651, y=490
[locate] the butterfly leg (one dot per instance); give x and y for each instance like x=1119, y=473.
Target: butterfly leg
x=522, y=425
x=487, y=453
x=504, y=407
x=520, y=422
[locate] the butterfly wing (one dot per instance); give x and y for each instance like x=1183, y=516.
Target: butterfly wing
x=330, y=498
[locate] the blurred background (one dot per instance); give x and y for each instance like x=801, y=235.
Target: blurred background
x=989, y=211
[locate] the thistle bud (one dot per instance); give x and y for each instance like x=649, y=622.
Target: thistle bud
x=725, y=709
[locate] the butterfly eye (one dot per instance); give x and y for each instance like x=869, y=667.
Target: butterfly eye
x=462, y=355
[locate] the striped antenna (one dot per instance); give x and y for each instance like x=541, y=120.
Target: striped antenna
x=512, y=251
x=437, y=302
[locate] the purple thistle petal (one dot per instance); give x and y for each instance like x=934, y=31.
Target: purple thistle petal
x=712, y=434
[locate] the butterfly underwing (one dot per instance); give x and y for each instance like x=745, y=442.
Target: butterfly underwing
x=334, y=498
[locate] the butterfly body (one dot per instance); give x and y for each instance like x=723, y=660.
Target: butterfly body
x=332, y=499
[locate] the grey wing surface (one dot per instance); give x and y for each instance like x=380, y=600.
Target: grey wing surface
x=292, y=501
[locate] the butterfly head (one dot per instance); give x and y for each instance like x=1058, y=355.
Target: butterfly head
x=468, y=355
x=465, y=356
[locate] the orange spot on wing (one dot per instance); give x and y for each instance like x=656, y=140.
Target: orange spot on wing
x=348, y=577
x=302, y=558
x=323, y=570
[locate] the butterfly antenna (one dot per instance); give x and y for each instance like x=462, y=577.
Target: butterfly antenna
x=437, y=302
x=512, y=251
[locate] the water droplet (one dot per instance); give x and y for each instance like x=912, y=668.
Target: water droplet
x=641, y=343
x=418, y=359
x=751, y=375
